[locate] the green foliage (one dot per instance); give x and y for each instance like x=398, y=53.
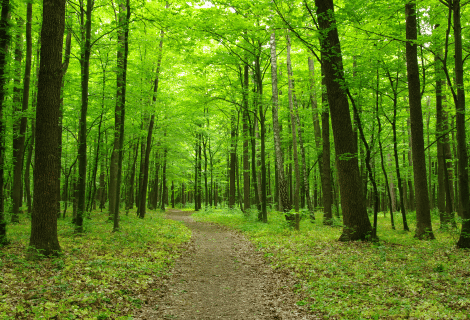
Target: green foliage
x=100, y=275
x=396, y=278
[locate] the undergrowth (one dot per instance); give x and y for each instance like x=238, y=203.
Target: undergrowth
x=98, y=275
x=397, y=277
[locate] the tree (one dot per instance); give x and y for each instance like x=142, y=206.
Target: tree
x=459, y=98
x=116, y=159
x=82, y=140
x=356, y=222
x=143, y=188
x=19, y=127
x=423, y=213
x=44, y=238
x=4, y=39
x=282, y=184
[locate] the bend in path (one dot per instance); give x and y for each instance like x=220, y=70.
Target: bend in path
x=222, y=276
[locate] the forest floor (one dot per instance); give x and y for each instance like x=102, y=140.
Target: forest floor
x=222, y=276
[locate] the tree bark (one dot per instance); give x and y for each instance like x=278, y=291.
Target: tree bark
x=233, y=159
x=246, y=139
x=163, y=193
x=196, y=174
x=291, y=94
x=464, y=240
x=326, y=157
x=262, y=126
x=4, y=40
x=356, y=222
x=284, y=201
x=19, y=126
x=82, y=143
x=44, y=238
x=130, y=191
x=423, y=214
x=116, y=158
x=143, y=186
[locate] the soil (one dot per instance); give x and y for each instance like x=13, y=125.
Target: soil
x=222, y=276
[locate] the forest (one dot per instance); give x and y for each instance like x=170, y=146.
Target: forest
x=307, y=121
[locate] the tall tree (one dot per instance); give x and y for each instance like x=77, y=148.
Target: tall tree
x=246, y=137
x=233, y=157
x=82, y=143
x=143, y=186
x=18, y=131
x=44, y=238
x=4, y=40
x=423, y=213
x=116, y=159
x=464, y=240
x=356, y=222
x=282, y=185
x=291, y=94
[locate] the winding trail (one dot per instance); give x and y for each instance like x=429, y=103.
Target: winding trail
x=222, y=276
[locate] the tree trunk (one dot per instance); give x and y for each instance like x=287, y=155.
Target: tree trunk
x=356, y=222
x=206, y=187
x=44, y=238
x=246, y=139
x=262, y=125
x=19, y=126
x=284, y=201
x=444, y=198
x=172, y=194
x=82, y=143
x=382, y=162
x=130, y=192
x=196, y=174
x=291, y=94
x=423, y=214
x=233, y=159
x=144, y=182
x=163, y=192
x=326, y=157
x=143, y=186
x=116, y=158
x=4, y=40
x=464, y=240
x=199, y=170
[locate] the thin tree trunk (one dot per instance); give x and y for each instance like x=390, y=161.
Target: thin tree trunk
x=130, y=192
x=116, y=158
x=291, y=94
x=19, y=126
x=162, y=204
x=246, y=139
x=233, y=159
x=284, y=202
x=262, y=125
x=382, y=162
x=27, y=177
x=143, y=186
x=82, y=143
x=196, y=175
x=326, y=180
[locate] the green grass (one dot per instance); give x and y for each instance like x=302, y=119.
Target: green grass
x=396, y=278
x=99, y=275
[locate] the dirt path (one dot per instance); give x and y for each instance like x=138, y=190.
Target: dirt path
x=222, y=276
